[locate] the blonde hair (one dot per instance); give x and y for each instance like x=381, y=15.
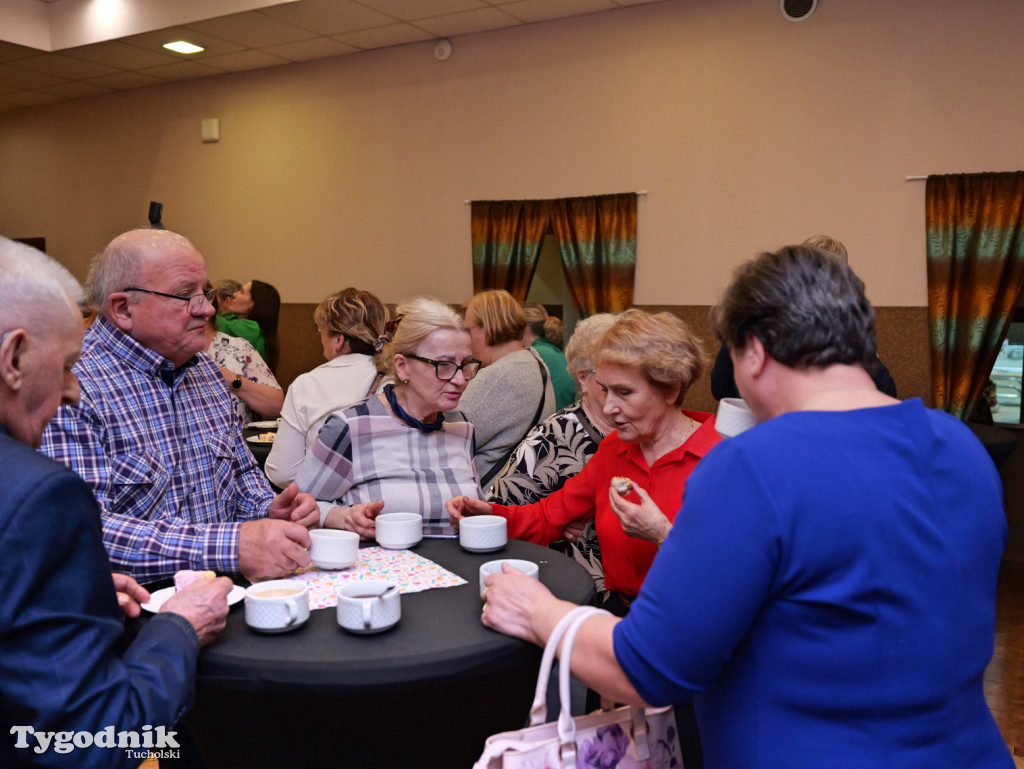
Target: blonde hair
x=662, y=346
x=536, y=315
x=579, y=352
x=415, y=320
x=499, y=314
x=554, y=331
x=829, y=246
x=357, y=315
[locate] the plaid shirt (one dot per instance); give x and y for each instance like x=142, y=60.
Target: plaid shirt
x=164, y=455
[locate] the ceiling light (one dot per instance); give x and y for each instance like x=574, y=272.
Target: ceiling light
x=181, y=46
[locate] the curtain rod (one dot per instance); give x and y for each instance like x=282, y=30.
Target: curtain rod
x=638, y=194
x=915, y=178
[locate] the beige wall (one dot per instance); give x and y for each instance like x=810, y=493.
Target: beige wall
x=747, y=131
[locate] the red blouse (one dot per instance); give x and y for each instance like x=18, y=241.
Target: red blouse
x=625, y=559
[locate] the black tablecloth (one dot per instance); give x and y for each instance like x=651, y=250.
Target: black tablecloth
x=426, y=693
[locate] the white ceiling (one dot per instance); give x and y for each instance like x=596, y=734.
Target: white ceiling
x=36, y=70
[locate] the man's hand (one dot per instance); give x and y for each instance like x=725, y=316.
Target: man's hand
x=359, y=518
x=272, y=548
x=204, y=604
x=129, y=594
x=460, y=507
x=295, y=506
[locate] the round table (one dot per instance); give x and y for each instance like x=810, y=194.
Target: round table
x=426, y=693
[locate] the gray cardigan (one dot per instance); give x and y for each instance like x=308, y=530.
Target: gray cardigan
x=501, y=401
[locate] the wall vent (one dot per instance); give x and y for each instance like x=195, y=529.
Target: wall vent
x=797, y=10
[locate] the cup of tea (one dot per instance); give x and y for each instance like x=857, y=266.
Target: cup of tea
x=529, y=568
x=483, y=533
x=369, y=606
x=276, y=606
x=333, y=548
x=397, y=531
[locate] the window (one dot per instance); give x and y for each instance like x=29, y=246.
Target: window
x=1007, y=374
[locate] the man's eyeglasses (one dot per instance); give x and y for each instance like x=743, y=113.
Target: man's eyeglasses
x=445, y=370
x=195, y=301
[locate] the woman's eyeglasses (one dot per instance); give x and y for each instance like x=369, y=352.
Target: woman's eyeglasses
x=445, y=370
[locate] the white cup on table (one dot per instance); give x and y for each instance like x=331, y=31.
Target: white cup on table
x=529, y=568
x=276, y=606
x=333, y=548
x=397, y=531
x=369, y=606
x=483, y=533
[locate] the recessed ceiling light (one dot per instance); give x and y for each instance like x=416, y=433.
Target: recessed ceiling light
x=181, y=46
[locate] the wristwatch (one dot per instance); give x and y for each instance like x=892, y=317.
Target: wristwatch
x=236, y=383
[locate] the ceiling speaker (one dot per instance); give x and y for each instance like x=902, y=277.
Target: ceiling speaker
x=797, y=10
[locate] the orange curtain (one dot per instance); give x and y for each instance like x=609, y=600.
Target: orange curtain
x=975, y=276
x=597, y=240
x=507, y=236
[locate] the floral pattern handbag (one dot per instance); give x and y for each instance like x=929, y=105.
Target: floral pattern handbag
x=628, y=737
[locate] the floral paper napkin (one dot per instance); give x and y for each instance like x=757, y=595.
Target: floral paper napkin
x=412, y=573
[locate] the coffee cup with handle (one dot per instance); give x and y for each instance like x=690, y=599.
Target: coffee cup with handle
x=369, y=606
x=276, y=606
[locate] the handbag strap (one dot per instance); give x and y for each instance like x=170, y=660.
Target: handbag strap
x=539, y=709
x=587, y=425
x=566, y=723
x=497, y=466
x=375, y=385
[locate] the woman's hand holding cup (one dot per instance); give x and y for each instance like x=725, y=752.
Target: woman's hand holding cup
x=463, y=506
x=358, y=518
x=511, y=603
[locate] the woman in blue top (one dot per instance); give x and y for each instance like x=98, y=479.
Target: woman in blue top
x=827, y=595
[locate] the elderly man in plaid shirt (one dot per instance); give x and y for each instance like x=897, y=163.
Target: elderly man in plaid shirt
x=154, y=433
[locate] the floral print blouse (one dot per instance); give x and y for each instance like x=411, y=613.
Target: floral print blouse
x=552, y=453
x=236, y=354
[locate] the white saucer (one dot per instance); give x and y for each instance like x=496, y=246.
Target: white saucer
x=256, y=439
x=269, y=424
x=158, y=597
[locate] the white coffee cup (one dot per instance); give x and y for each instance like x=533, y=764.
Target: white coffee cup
x=733, y=417
x=529, y=568
x=276, y=606
x=483, y=533
x=369, y=606
x=397, y=531
x=333, y=548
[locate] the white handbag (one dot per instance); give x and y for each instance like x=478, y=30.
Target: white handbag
x=628, y=737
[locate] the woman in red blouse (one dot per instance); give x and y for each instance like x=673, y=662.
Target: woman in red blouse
x=645, y=364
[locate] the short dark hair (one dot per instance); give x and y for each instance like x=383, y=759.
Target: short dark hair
x=807, y=308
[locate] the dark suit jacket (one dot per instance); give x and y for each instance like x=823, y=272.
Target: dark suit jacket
x=724, y=386
x=64, y=665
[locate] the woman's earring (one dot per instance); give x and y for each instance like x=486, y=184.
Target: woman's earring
x=405, y=381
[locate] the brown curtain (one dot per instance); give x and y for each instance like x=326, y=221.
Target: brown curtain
x=975, y=275
x=597, y=240
x=507, y=235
